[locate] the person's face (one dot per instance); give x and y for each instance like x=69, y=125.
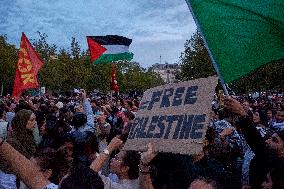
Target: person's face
x=134, y=109
x=267, y=184
x=102, y=118
x=280, y=116
x=43, y=128
x=67, y=148
x=199, y=184
x=275, y=143
x=80, y=108
x=94, y=104
x=116, y=164
x=256, y=117
x=31, y=124
x=269, y=114
x=117, y=103
x=246, y=105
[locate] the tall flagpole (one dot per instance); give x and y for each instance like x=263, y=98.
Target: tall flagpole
x=209, y=51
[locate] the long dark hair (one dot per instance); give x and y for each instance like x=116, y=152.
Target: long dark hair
x=21, y=135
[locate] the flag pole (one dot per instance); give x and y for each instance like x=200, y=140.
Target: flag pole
x=207, y=47
x=2, y=88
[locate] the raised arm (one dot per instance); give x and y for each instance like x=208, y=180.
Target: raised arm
x=252, y=136
x=144, y=172
x=88, y=111
x=24, y=168
x=98, y=163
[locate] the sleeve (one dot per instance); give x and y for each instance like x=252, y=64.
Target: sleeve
x=110, y=184
x=252, y=136
x=90, y=116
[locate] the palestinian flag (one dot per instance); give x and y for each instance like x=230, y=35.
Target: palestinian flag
x=241, y=35
x=109, y=48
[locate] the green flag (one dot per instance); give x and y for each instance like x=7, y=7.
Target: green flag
x=242, y=35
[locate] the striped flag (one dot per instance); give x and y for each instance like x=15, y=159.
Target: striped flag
x=109, y=48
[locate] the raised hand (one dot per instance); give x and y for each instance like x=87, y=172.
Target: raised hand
x=234, y=106
x=149, y=155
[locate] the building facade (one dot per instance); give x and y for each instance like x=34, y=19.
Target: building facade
x=166, y=71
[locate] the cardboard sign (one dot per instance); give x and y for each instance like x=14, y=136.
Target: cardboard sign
x=173, y=117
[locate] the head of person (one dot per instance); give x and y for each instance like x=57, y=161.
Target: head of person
x=275, y=145
x=41, y=122
x=128, y=116
x=94, y=103
x=202, y=183
x=44, y=159
x=81, y=177
x=253, y=103
x=24, y=120
x=79, y=119
x=269, y=114
x=62, y=161
x=279, y=116
x=121, y=102
x=128, y=105
x=91, y=146
x=275, y=178
x=79, y=108
x=134, y=108
x=258, y=117
x=22, y=137
x=126, y=165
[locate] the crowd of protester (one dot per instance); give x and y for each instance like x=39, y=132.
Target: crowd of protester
x=76, y=142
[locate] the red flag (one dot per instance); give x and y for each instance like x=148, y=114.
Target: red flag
x=114, y=84
x=28, y=67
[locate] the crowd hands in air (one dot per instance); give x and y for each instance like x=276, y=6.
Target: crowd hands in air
x=77, y=143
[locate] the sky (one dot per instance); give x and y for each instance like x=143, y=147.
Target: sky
x=157, y=27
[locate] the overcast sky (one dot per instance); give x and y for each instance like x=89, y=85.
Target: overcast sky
x=157, y=27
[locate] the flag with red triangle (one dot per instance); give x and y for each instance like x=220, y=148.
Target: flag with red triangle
x=109, y=48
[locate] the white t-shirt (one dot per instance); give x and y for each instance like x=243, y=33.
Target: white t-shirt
x=121, y=184
x=51, y=186
x=3, y=128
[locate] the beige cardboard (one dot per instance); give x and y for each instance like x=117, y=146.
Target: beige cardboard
x=199, y=109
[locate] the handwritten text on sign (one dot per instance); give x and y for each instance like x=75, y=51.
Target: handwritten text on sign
x=173, y=117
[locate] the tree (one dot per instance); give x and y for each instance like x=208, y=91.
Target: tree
x=267, y=77
x=64, y=69
x=8, y=61
x=195, y=61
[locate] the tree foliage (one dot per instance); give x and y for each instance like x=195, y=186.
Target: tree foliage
x=267, y=77
x=68, y=68
x=8, y=61
x=195, y=61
